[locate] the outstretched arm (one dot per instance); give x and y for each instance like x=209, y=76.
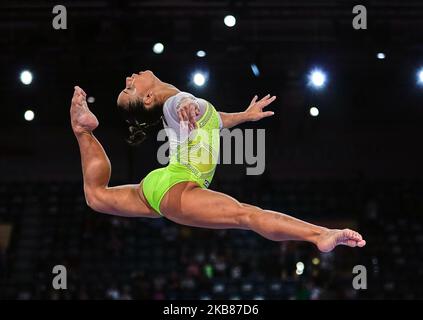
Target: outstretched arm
x=254, y=112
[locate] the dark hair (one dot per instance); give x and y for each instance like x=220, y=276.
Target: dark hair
x=141, y=121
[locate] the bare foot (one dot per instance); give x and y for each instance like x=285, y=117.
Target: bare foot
x=334, y=237
x=82, y=119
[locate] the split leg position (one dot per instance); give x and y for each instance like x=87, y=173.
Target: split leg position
x=186, y=203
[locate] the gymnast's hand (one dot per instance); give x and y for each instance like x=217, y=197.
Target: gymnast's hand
x=255, y=111
x=187, y=112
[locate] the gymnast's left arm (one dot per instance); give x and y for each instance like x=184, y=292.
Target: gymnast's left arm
x=254, y=112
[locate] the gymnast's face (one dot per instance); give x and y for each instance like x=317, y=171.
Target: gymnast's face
x=139, y=86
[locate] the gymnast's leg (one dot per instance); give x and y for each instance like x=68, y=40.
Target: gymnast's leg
x=96, y=169
x=188, y=204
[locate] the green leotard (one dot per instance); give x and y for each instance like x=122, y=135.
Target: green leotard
x=194, y=160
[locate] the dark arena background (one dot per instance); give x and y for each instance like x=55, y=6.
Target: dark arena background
x=344, y=148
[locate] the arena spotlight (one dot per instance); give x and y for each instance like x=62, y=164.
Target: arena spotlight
x=91, y=100
x=26, y=77
x=317, y=78
x=255, y=69
x=381, y=56
x=300, y=266
x=229, y=21
x=158, y=48
x=199, y=79
x=314, y=112
x=315, y=261
x=29, y=115
x=201, y=53
x=420, y=77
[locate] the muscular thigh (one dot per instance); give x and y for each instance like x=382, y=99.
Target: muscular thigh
x=125, y=200
x=187, y=203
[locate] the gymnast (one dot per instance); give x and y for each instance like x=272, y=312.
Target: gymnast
x=180, y=191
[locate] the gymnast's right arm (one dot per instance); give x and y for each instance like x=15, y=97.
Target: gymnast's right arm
x=254, y=112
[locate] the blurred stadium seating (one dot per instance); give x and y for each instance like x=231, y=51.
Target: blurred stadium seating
x=118, y=258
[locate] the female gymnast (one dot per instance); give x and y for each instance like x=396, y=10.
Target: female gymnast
x=180, y=191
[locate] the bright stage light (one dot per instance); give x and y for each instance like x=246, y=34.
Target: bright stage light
x=26, y=77
x=381, y=56
x=420, y=77
x=29, y=115
x=255, y=69
x=201, y=53
x=229, y=21
x=199, y=79
x=314, y=112
x=317, y=78
x=158, y=48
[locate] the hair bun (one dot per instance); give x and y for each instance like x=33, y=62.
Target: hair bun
x=137, y=135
